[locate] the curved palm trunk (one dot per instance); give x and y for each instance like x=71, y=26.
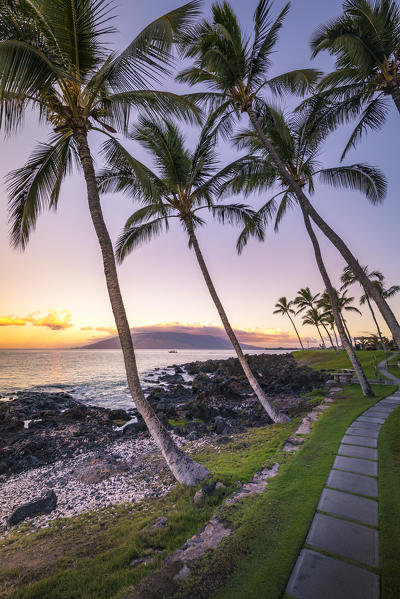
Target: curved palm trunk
x=322, y=339
x=297, y=333
x=328, y=232
x=365, y=386
x=328, y=333
x=396, y=97
x=347, y=330
x=271, y=411
x=376, y=323
x=182, y=467
x=334, y=332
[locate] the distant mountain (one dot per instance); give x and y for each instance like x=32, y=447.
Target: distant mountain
x=169, y=340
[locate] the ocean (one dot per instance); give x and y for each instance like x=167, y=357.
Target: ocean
x=95, y=377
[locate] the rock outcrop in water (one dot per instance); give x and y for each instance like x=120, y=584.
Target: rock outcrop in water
x=40, y=428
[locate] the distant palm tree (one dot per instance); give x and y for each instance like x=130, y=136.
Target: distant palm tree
x=306, y=300
x=314, y=317
x=54, y=58
x=235, y=72
x=365, y=40
x=348, y=278
x=284, y=307
x=344, y=304
x=329, y=319
x=185, y=183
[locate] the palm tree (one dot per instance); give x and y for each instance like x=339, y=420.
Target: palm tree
x=306, y=300
x=53, y=58
x=348, y=278
x=329, y=319
x=235, y=73
x=284, y=307
x=344, y=304
x=314, y=317
x=185, y=184
x=297, y=140
x=365, y=41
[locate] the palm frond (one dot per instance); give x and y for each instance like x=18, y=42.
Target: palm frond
x=299, y=82
x=149, y=55
x=36, y=185
x=373, y=117
x=134, y=236
x=359, y=177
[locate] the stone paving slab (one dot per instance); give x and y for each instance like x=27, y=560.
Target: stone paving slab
x=366, y=423
x=349, y=506
x=359, y=440
x=377, y=414
x=358, y=452
x=356, y=465
x=354, y=541
x=353, y=483
x=370, y=419
x=317, y=576
x=362, y=432
x=381, y=413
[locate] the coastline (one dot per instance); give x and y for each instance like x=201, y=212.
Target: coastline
x=94, y=457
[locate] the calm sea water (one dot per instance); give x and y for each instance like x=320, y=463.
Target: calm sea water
x=94, y=377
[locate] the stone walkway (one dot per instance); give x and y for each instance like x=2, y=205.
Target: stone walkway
x=340, y=558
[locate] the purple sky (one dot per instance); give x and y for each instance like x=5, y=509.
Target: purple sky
x=61, y=269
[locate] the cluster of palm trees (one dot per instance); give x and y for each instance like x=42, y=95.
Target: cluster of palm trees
x=316, y=310
x=54, y=59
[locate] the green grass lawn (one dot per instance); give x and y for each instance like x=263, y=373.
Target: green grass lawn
x=87, y=557
x=270, y=529
x=322, y=359
x=389, y=502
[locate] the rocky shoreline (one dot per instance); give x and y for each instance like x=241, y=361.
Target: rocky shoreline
x=93, y=457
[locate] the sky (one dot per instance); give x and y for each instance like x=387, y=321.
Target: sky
x=54, y=294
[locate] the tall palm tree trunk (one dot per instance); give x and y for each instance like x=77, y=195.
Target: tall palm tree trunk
x=182, y=467
x=365, y=386
x=346, y=328
x=334, y=332
x=271, y=411
x=370, y=288
x=396, y=96
x=328, y=232
x=376, y=322
x=297, y=333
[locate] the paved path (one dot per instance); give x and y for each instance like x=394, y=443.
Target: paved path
x=340, y=558
x=386, y=373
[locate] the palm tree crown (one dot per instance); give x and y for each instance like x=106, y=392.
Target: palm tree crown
x=54, y=57
x=365, y=40
x=235, y=68
x=184, y=183
x=298, y=140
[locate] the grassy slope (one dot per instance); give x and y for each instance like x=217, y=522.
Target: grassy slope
x=257, y=560
x=88, y=556
x=330, y=360
x=389, y=502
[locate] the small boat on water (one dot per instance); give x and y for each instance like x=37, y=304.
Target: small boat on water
x=172, y=351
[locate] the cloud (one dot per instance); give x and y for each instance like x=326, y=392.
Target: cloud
x=7, y=321
x=56, y=320
x=109, y=330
